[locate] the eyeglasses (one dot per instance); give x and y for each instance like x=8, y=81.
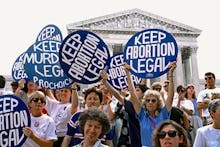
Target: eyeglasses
x=37, y=100
x=206, y=78
x=171, y=133
x=151, y=100
x=157, y=89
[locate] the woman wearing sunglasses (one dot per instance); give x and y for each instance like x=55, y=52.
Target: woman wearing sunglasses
x=43, y=130
x=170, y=134
x=150, y=111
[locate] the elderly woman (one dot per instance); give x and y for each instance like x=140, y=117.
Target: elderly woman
x=94, y=123
x=149, y=111
x=93, y=98
x=42, y=130
x=169, y=133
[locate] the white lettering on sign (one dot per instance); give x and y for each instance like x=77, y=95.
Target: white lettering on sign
x=116, y=72
x=49, y=71
x=117, y=61
x=48, y=34
x=45, y=61
x=84, y=56
x=7, y=105
x=47, y=46
x=10, y=122
x=149, y=65
x=13, y=120
x=52, y=85
x=149, y=51
x=10, y=138
x=149, y=37
x=20, y=74
x=122, y=82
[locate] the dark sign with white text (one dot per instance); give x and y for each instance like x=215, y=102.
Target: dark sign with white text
x=83, y=55
x=149, y=53
x=116, y=73
x=14, y=116
x=41, y=60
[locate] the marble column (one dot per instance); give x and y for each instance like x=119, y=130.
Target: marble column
x=179, y=70
x=195, y=71
x=188, y=69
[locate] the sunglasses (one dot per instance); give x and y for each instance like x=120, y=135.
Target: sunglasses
x=206, y=78
x=158, y=89
x=151, y=100
x=37, y=100
x=171, y=133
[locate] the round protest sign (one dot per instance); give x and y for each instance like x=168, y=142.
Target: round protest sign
x=14, y=115
x=50, y=32
x=18, y=71
x=82, y=55
x=41, y=63
x=149, y=53
x=116, y=73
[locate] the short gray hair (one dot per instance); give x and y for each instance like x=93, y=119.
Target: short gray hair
x=213, y=105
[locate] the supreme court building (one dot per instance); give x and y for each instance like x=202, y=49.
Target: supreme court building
x=117, y=28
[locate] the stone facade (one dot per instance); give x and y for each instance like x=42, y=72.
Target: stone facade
x=117, y=28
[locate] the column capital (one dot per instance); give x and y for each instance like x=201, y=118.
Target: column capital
x=194, y=50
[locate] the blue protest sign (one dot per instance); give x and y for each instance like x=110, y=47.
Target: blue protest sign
x=41, y=63
x=18, y=71
x=14, y=115
x=116, y=73
x=149, y=52
x=82, y=55
x=50, y=32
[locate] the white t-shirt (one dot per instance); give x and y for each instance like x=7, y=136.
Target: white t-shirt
x=207, y=136
x=61, y=113
x=43, y=127
x=202, y=94
x=184, y=103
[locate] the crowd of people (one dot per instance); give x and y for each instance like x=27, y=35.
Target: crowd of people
x=139, y=116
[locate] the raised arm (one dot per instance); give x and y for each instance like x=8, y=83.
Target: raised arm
x=50, y=94
x=111, y=89
x=169, y=100
x=20, y=86
x=133, y=97
x=74, y=98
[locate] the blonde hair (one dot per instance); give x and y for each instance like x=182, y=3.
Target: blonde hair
x=152, y=93
x=37, y=94
x=155, y=84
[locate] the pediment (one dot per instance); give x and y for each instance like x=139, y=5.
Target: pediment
x=133, y=20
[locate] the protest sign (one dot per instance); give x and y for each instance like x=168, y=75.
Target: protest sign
x=14, y=115
x=82, y=55
x=18, y=71
x=50, y=32
x=116, y=73
x=41, y=61
x=149, y=53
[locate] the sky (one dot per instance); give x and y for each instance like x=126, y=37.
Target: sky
x=22, y=20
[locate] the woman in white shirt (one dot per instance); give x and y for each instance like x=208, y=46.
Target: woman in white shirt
x=43, y=130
